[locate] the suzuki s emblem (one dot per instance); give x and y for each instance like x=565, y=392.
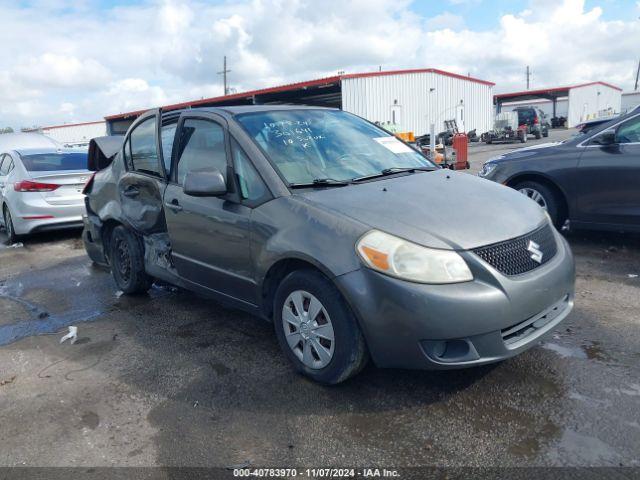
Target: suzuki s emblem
x=536, y=253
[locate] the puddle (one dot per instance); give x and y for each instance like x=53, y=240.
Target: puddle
x=587, y=351
x=565, y=352
x=594, y=402
x=531, y=445
x=588, y=449
x=631, y=390
x=46, y=301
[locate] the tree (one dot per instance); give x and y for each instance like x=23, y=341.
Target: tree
x=6, y=130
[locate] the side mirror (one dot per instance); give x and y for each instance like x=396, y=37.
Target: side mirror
x=606, y=138
x=207, y=182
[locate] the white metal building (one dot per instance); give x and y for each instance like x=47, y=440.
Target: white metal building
x=584, y=102
x=630, y=100
x=76, y=134
x=412, y=99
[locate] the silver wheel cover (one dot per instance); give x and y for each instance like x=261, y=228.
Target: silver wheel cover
x=308, y=329
x=534, y=195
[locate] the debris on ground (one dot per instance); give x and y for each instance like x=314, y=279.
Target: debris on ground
x=42, y=315
x=16, y=245
x=7, y=381
x=73, y=335
x=195, y=404
x=632, y=275
x=238, y=466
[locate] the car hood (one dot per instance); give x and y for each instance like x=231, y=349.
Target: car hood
x=439, y=209
x=526, y=152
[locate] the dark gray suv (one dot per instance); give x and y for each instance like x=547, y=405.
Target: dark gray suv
x=334, y=230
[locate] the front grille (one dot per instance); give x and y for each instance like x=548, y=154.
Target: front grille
x=512, y=257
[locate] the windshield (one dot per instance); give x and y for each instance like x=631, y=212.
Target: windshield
x=526, y=116
x=51, y=162
x=308, y=145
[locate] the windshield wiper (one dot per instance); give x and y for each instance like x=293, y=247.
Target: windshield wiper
x=392, y=171
x=321, y=182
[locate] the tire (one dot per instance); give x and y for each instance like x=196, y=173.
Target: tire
x=545, y=134
x=537, y=134
x=345, y=355
x=543, y=196
x=523, y=137
x=127, y=262
x=12, y=237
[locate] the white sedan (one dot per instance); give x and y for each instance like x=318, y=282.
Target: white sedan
x=40, y=185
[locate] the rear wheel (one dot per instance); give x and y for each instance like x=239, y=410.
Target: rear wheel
x=543, y=196
x=538, y=135
x=316, y=329
x=127, y=262
x=8, y=226
x=545, y=133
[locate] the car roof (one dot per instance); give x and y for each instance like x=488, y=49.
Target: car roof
x=38, y=151
x=238, y=109
x=18, y=141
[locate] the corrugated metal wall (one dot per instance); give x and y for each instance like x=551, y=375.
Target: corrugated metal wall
x=76, y=134
x=630, y=100
x=586, y=104
x=375, y=99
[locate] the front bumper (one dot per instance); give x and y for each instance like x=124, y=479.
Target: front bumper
x=493, y=317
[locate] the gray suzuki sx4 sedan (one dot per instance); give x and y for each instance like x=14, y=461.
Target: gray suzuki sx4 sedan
x=350, y=241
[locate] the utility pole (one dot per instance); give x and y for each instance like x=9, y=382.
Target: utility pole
x=528, y=76
x=224, y=75
x=637, y=76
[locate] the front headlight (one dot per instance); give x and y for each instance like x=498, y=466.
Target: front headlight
x=402, y=259
x=487, y=168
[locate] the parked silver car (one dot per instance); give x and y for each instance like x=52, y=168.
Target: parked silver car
x=40, y=185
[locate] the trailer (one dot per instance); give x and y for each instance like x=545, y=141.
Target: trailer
x=506, y=129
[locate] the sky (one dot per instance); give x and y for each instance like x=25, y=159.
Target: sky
x=80, y=60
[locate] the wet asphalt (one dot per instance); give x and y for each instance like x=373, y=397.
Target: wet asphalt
x=173, y=379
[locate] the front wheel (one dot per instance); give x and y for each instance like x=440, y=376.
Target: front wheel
x=8, y=227
x=543, y=196
x=127, y=262
x=316, y=329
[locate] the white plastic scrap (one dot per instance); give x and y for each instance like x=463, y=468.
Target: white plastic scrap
x=16, y=245
x=73, y=335
x=632, y=275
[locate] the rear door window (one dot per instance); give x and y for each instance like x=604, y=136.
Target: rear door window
x=144, y=154
x=4, y=163
x=202, y=146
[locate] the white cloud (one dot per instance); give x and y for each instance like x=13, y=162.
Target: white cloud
x=445, y=20
x=79, y=63
x=53, y=70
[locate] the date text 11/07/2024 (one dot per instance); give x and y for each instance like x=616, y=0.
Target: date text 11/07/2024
x=316, y=472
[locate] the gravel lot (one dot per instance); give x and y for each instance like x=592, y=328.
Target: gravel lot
x=172, y=379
